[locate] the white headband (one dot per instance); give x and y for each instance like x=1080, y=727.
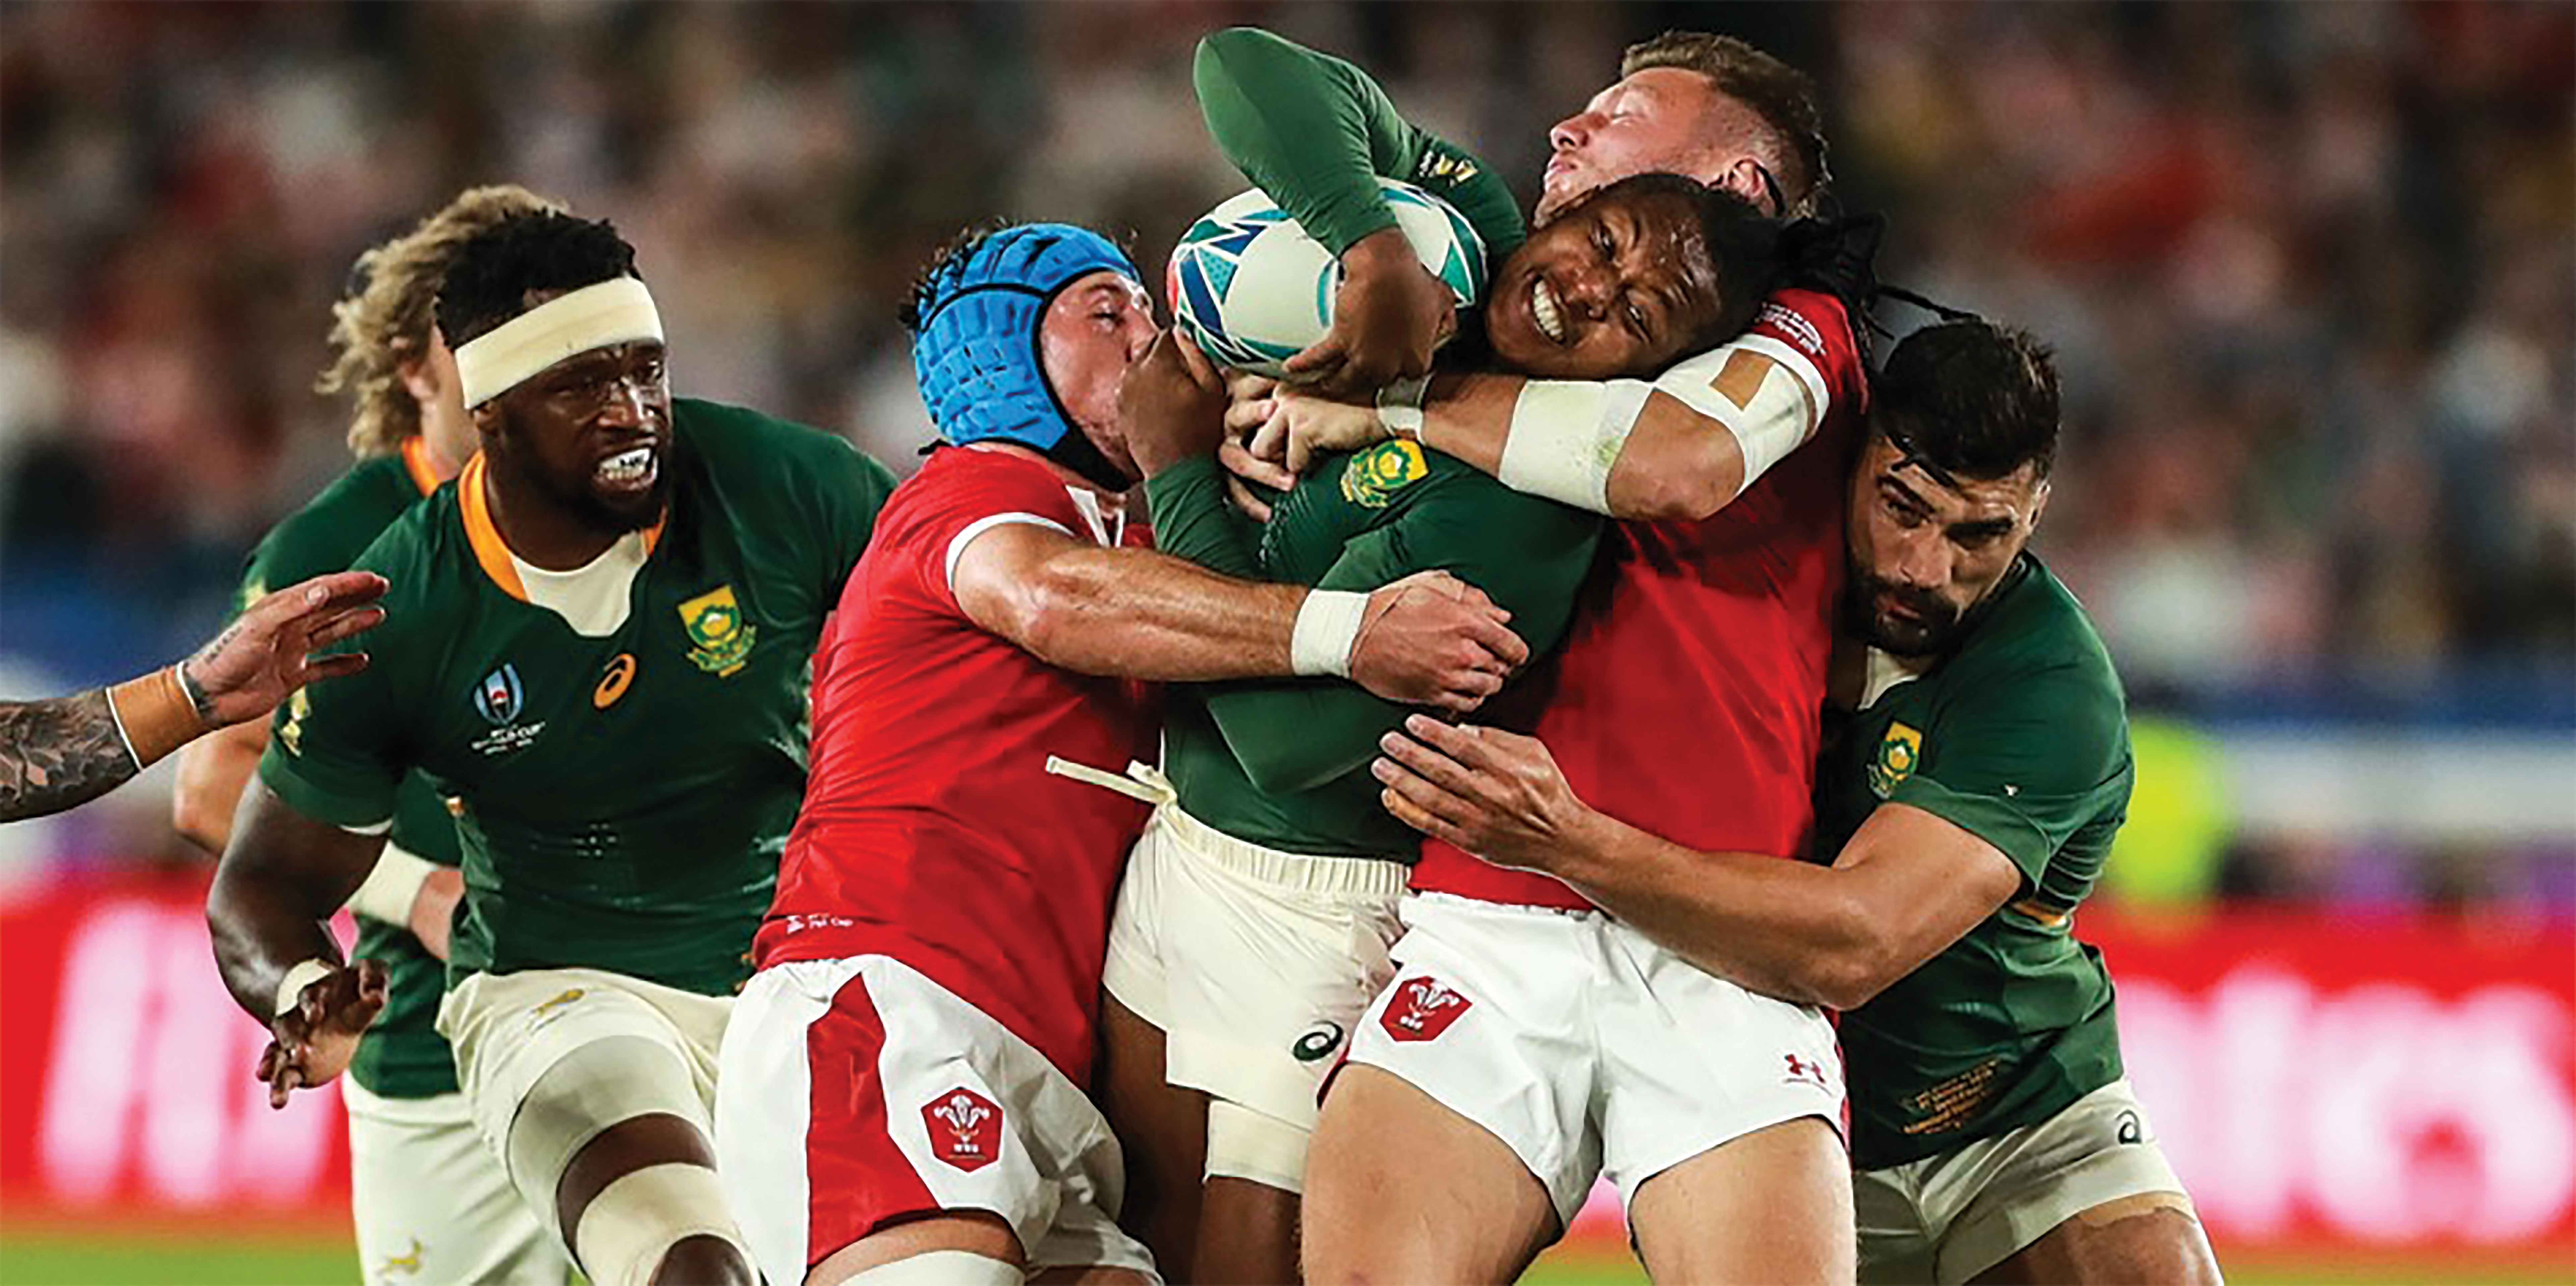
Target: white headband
x=601, y=316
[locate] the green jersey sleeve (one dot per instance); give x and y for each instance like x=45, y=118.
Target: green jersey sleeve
x=1315, y=132
x=2023, y=761
x=1193, y=520
x=1529, y=555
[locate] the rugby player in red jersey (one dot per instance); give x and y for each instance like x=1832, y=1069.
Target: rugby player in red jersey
x=902, y=1089
x=1530, y=1041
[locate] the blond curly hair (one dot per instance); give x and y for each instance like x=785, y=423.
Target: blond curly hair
x=385, y=318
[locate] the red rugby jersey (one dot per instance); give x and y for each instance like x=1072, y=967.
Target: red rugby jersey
x=1686, y=699
x=931, y=831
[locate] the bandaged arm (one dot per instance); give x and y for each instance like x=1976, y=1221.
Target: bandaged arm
x=1680, y=446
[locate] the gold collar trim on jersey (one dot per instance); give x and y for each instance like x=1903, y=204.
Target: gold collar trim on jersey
x=415, y=458
x=474, y=508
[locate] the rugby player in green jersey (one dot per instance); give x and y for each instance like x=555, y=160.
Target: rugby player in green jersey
x=1978, y=769
x=423, y=1190
x=1255, y=916
x=597, y=649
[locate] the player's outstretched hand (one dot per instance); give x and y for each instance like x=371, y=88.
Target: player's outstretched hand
x=1432, y=639
x=1496, y=794
x=267, y=652
x=1171, y=404
x=1390, y=313
x=314, y=1041
x=1302, y=425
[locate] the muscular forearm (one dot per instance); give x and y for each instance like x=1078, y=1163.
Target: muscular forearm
x=275, y=889
x=1673, y=464
x=1149, y=616
x=59, y=753
x=1781, y=928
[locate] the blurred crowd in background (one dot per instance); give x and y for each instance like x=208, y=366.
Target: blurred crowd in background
x=2310, y=269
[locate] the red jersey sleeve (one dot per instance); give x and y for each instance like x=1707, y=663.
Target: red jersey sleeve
x=965, y=494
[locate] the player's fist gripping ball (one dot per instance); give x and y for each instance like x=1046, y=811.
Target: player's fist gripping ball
x=1252, y=289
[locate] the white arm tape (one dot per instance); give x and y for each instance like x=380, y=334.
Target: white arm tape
x=290, y=989
x=1328, y=625
x=391, y=885
x=1565, y=436
x=1785, y=398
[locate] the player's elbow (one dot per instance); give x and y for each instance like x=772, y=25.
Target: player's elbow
x=1672, y=489
x=1850, y=957
x=1048, y=614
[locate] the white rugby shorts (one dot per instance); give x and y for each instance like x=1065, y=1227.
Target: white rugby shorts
x=510, y=1030
x=431, y=1204
x=1255, y=963
x=857, y=1092
x=1949, y=1217
x=1586, y=1048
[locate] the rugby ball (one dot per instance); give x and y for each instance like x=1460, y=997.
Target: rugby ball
x=1252, y=289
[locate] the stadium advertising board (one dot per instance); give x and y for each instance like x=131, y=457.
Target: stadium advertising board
x=2397, y=1082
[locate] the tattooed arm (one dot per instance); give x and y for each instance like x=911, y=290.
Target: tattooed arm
x=59, y=753
x=55, y=754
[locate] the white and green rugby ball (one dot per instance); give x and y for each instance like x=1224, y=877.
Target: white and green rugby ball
x=1252, y=289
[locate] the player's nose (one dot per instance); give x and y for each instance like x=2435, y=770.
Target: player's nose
x=1572, y=132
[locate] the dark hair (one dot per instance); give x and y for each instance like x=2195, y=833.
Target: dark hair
x=1970, y=398
x=489, y=280
x=1743, y=246
x=1778, y=94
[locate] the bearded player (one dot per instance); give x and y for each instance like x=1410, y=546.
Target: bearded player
x=1253, y=922
x=1531, y=1041
x=902, y=1098
x=1966, y=804
x=598, y=646
x=423, y=1190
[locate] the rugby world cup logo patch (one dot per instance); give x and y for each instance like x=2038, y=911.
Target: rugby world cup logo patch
x=965, y=1129
x=499, y=698
x=1422, y=1009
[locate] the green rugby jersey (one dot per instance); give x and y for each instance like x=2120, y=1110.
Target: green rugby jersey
x=623, y=800
x=401, y=1056
x=2021, y=737
x=1315, y=132
x=1284, y=763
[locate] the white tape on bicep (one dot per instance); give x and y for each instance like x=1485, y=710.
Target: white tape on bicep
x=1565, y=437
x=391, y=885
x=1768, y=396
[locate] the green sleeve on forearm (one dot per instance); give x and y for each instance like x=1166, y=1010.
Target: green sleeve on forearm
x=1193, y=520
x=1529, y=556
x=1315, y=132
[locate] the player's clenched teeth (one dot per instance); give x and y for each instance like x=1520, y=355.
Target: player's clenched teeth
x=628, y=468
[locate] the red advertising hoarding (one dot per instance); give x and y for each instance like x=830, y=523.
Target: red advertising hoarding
x=2393, y=1082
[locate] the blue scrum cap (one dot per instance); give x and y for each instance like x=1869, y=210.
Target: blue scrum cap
x=975, y=340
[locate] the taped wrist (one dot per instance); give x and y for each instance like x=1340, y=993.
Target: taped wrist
x=1328, y=625
x=154, y=715
x=290, y=989
x=1399, y=407
x=391, y=886
x=1566, y=435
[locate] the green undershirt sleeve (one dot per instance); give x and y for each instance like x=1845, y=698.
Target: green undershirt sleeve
x=1193, y=520
x=1530, y=556
x=1315, y=132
